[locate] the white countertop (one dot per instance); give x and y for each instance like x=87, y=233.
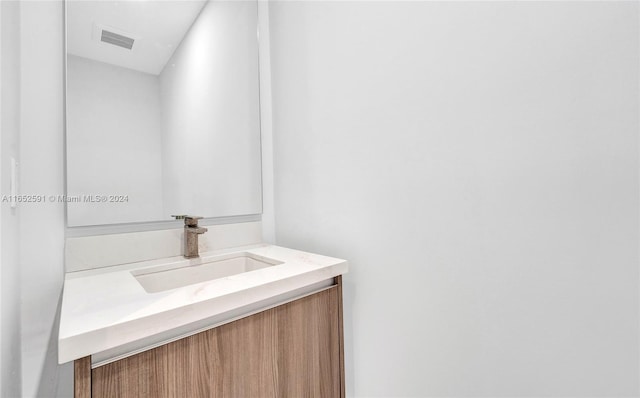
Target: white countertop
x=107, y=308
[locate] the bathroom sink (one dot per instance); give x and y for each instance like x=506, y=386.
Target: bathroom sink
x=163, y=278
x=112, y=312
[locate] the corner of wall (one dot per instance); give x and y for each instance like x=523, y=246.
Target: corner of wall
x=266, y=126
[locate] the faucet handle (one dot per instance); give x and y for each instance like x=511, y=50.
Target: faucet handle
x=190, y=221
x=184, y=217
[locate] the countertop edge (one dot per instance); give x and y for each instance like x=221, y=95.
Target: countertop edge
x=84, y=344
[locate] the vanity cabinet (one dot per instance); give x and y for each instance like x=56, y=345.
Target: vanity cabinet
x=292, y=350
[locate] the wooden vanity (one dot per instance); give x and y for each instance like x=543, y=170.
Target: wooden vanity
x=291, y=350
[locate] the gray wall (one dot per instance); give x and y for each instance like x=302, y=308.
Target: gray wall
x=477, y=163
x=9, y=270
x=210, y=116
x=41, y=231
x=114, y=136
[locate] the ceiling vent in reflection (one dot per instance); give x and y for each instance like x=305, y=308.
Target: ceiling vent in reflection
x=116, y=39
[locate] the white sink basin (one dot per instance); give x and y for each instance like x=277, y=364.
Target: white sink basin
x=163, y=278
x=119, y=310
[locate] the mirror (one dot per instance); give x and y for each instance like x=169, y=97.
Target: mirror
x=163, y=112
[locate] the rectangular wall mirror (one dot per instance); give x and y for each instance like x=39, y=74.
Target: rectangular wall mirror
x=163, y=111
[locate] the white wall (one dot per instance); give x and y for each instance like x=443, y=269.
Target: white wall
x=41, y=230
x=210, y=109
x=9, y=270
x=114, y=142
x=477, y=163
x=266, y=125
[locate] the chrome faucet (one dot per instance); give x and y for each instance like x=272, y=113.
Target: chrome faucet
x=191, y=232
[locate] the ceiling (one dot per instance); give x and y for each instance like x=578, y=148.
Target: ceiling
x=158, y=27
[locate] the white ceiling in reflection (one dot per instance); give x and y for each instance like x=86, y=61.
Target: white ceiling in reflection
x=157, y=27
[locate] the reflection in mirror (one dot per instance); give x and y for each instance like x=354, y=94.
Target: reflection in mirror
x=162, y=110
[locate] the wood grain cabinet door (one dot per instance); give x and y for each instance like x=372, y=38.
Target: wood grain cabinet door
x=294, y=350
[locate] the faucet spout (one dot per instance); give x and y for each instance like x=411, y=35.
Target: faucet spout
x=195, y=230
